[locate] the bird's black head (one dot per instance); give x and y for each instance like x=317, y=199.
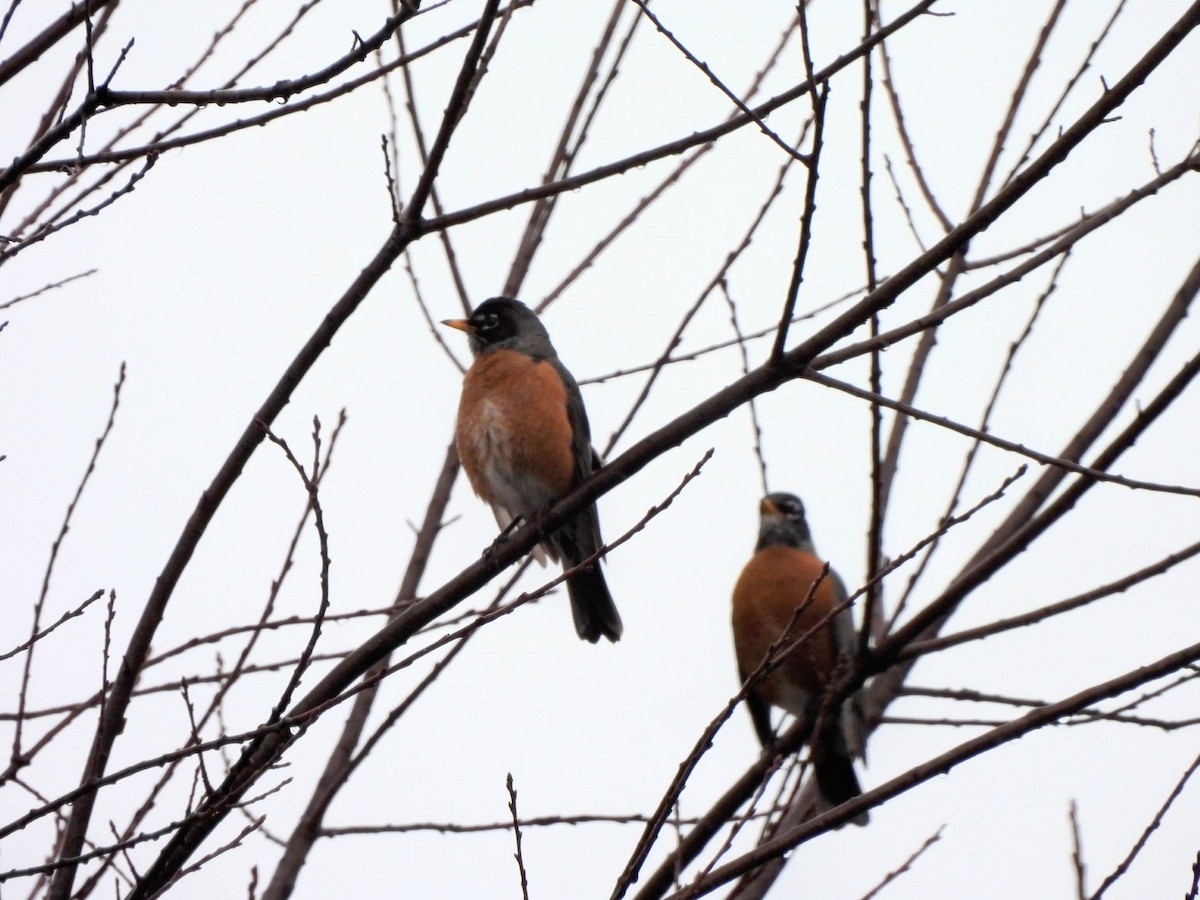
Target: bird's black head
x=504, y=323
x=782, y=521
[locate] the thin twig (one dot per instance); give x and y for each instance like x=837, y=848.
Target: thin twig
x=906, y=865
x=314, y=501
x=906, y=141
x=933, y=645
x=1124, y=865
x=54, y=548
x=820, y=97
x=64, y=618
x=516, y=826
x=721, y=86
x=740, y=340
x=534, y=822
x=42, y=233
x=1077, y=851
x=1045, y=459
x=1195, y=890
x=48, y=287
x=872, y=606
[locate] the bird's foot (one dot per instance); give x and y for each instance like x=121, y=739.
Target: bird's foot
x=489, y=552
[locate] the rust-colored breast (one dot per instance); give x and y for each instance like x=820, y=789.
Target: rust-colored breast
x=771, y=586
x=512, y=423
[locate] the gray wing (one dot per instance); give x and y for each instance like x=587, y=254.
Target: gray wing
x=845, y=638
x=579, y=538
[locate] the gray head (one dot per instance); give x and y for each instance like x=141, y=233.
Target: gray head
x=782, y=522
x=505, y=324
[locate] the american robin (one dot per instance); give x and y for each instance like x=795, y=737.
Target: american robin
x=773, y=585
x=524, y=441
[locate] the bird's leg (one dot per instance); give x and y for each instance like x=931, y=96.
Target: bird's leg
x=489, y=552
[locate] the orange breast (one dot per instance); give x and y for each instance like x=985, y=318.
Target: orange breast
x=512, y=422
x=771, y=586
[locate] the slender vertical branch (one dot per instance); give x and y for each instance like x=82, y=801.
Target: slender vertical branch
x=570, y=142
x=18, y=757
x=820, y=95
x=518, y=856
x=871, y=605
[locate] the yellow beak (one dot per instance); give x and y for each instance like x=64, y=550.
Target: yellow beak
x=769, y=510
x=460, y=324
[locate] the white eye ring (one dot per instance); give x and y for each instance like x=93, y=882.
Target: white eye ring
x=491, y=320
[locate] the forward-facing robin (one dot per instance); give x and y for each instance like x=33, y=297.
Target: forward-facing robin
x=524, y=441
x=772, y=587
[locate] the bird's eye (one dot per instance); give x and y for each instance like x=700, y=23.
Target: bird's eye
x=488, y=322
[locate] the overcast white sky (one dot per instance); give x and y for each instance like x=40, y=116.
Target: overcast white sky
x=221, y=263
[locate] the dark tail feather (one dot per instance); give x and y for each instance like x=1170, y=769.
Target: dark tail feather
x=595, y=613
x=836, y=781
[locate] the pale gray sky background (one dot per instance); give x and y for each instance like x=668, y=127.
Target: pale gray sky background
x=226, y=257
